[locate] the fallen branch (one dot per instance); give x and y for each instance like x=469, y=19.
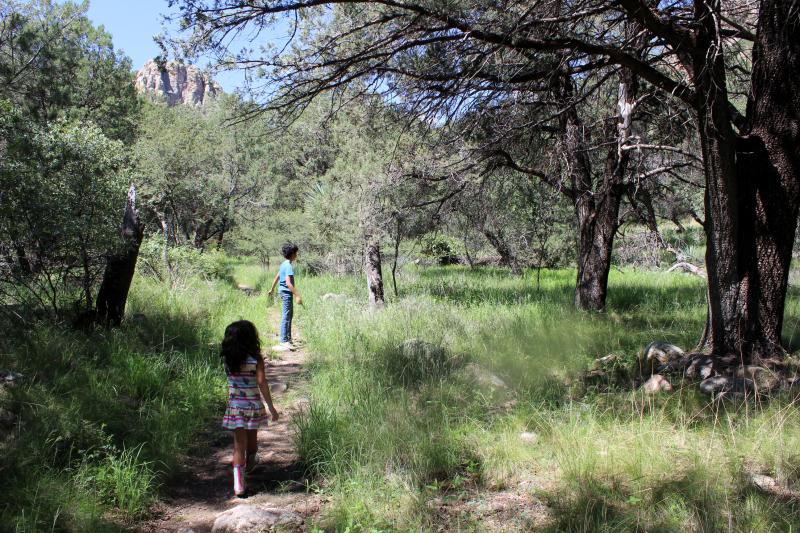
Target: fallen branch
x=688, y=268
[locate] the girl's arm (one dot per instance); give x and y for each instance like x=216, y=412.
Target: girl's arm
x=292, y=288
x=274, y=284
x=263, y=386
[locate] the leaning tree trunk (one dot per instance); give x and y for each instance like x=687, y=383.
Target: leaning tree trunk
x=372, y=269
x=507, y=256
x=120, y=267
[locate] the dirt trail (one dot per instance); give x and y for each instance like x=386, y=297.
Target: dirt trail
x=193, y=502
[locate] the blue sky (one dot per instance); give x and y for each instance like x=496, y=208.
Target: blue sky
x=134, y=23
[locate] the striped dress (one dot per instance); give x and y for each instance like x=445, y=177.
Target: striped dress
x=245, y=407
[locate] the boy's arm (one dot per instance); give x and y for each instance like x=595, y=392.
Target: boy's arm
x=263, y=386
x=274, y=284
x=292, y=288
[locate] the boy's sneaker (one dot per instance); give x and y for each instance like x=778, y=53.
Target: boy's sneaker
x=282, y=347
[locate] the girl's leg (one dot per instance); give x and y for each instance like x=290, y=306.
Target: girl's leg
x=239, y=445
x=252, y=441
x=252, y=448
x=239, y=449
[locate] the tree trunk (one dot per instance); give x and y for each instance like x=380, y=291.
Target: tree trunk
x=121, y=266
x=395, y=259
x=751, y=183
x=597, y=211
x=372, y=269
x=201, y=234
x=507, y=256
x=773, y=162
x=223, y=227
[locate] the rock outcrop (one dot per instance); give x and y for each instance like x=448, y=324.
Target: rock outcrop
x=177, y=83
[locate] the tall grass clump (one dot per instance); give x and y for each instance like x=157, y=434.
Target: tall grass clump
x=490, y=398
x=102, y=419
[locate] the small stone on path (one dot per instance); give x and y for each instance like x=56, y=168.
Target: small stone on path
x=278, y=386
x=249, y=518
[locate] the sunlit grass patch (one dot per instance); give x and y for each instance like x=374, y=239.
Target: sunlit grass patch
x=603, y=459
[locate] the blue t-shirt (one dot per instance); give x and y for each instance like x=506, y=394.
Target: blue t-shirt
x=286, y=270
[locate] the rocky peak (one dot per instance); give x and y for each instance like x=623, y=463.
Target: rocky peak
x=177, y=83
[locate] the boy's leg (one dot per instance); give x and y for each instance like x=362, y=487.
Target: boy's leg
x=289, y=319
x=285, y=311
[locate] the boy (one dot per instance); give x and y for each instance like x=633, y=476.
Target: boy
x=287, y=289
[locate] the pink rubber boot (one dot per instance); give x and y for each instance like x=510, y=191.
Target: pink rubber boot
x=238, y=481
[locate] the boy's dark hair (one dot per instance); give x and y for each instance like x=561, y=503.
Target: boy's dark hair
x=241, y=340
x=289, y=249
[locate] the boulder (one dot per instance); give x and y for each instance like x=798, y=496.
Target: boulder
x=770, y=485
x=416, y=360
x=722, y=384
x=252, y=519
x=656, y=383
x=484, y=377
x=9, y=377
x=701, y=366
x=764, y=379
x=661, y=356
x=606, y=361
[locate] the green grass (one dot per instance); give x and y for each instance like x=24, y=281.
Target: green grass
x=394, y=437
x=104, y=418
x=389, y=446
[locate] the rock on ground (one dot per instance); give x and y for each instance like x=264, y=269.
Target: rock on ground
x=720, y=384
x=656, y=383
x=485, y=377
x=252, y=519
x=660, y=355
x=278, y=386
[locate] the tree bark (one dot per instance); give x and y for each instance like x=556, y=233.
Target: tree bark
x=752, y=182
x=507, y=256
x=372, y=269
x=201, y=234
x=120, y=267
x=596, y=208
x=773, y=166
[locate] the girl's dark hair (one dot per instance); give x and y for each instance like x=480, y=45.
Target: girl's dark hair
x=289, y=249
x=241, y=340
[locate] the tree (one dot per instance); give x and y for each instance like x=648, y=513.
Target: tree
x=751, y=175
x=56, y=224
x=54, y=64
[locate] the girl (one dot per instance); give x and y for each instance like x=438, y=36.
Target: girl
x=247, y=409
